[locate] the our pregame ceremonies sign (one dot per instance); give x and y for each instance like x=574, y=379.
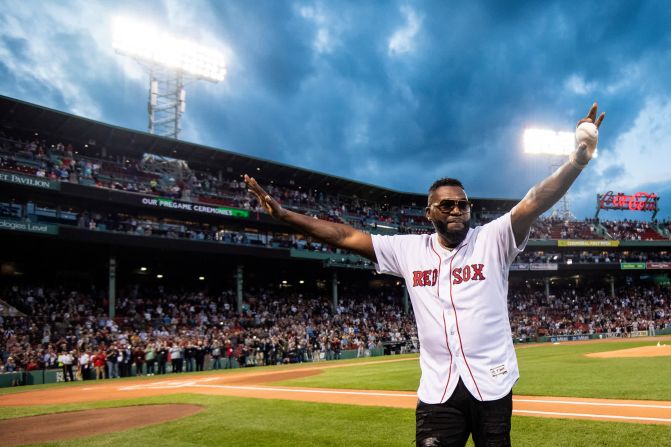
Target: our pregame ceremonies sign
x=161, y=202
x=641, y=201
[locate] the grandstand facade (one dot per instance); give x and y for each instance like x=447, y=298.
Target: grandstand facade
x=100, y=226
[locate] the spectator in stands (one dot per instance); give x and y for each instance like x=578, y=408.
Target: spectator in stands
x=138, y=359
x=162, y=354
x=66, y=359
x=84, y=365
x=99, y=364
x=150, y=358
x=176, y=358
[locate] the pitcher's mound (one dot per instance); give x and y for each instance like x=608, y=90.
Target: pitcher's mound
x=77, y=424
x=643, y=351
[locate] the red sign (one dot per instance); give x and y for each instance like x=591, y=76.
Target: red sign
x=658, y=265
x=641, y=201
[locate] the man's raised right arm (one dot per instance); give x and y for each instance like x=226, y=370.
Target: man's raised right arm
x=335, y=234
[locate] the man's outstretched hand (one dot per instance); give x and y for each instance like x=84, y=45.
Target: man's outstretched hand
x=584, y=153
x=270, y=204
x=591, y=117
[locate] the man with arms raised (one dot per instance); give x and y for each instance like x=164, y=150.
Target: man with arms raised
x=457, y=279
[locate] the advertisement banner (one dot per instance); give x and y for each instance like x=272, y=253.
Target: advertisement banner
x=519, y=266
x=586, y=243
x=658, y=265
x=560, y=338
x=544, y=266
x=29, y=227
x=162, y=202
x=632, y=266
x=29, y=180
x=639, y=333
x=641, y=201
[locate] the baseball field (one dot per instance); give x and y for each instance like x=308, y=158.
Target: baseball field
x=608, y=393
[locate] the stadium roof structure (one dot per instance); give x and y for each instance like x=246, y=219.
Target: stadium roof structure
x=71, y=128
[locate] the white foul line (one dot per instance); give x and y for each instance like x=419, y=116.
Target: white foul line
x=301, y=390
x=177, y=384
x=592, y=415
x=597, y=404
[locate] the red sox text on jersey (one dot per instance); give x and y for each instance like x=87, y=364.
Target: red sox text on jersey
x=472, y=272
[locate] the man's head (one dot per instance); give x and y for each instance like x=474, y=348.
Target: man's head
x=449, y=210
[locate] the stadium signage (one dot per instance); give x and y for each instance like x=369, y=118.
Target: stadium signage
x=535, y=266
x=160, y=202
x=641, y=201
x=587, y=243
x=560, y=338
x=27, y=180
x=658, y=265
x=15, y=225
x=543, y=266
x=519, y=266
x=632, y=266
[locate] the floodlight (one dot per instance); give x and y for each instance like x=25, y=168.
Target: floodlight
x=155, y=47
x=171, y=62
x=552, y=144
x=549, y=142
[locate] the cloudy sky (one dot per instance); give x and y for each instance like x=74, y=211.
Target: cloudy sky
x=394, y=93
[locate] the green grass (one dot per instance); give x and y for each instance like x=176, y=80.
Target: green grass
x=276, y=423
x=563, y=370
x=546, y=370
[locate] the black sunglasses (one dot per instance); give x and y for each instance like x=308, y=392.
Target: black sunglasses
x=447, y=205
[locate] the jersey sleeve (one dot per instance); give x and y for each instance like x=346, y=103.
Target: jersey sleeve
x=387, y=249
x=501, y=230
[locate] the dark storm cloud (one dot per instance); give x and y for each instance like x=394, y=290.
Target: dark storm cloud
x=477, y=74
x=399, y=93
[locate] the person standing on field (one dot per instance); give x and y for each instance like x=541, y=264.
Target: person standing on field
x=457, y=279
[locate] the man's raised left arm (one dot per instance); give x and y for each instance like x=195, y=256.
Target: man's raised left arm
x=546, y=193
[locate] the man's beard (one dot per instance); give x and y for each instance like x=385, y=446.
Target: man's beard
x=451, y=237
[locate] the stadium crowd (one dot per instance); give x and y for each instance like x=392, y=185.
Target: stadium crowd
x=67, y=163
x=570, y=311
x=160, y=330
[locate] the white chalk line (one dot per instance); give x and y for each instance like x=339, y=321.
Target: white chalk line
x=593, y=415
x=182, y=384
x=303, y=390
x=596, y=404
x=194, y=384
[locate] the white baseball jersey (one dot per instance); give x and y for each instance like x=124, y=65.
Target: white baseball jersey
x=460, y=299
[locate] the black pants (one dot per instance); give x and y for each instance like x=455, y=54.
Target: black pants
x=68, y=375
x=450, y=423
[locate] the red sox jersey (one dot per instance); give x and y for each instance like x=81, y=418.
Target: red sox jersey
x=459, y=297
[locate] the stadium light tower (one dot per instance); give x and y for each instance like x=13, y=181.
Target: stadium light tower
x=556, y=146
x=171, y=62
